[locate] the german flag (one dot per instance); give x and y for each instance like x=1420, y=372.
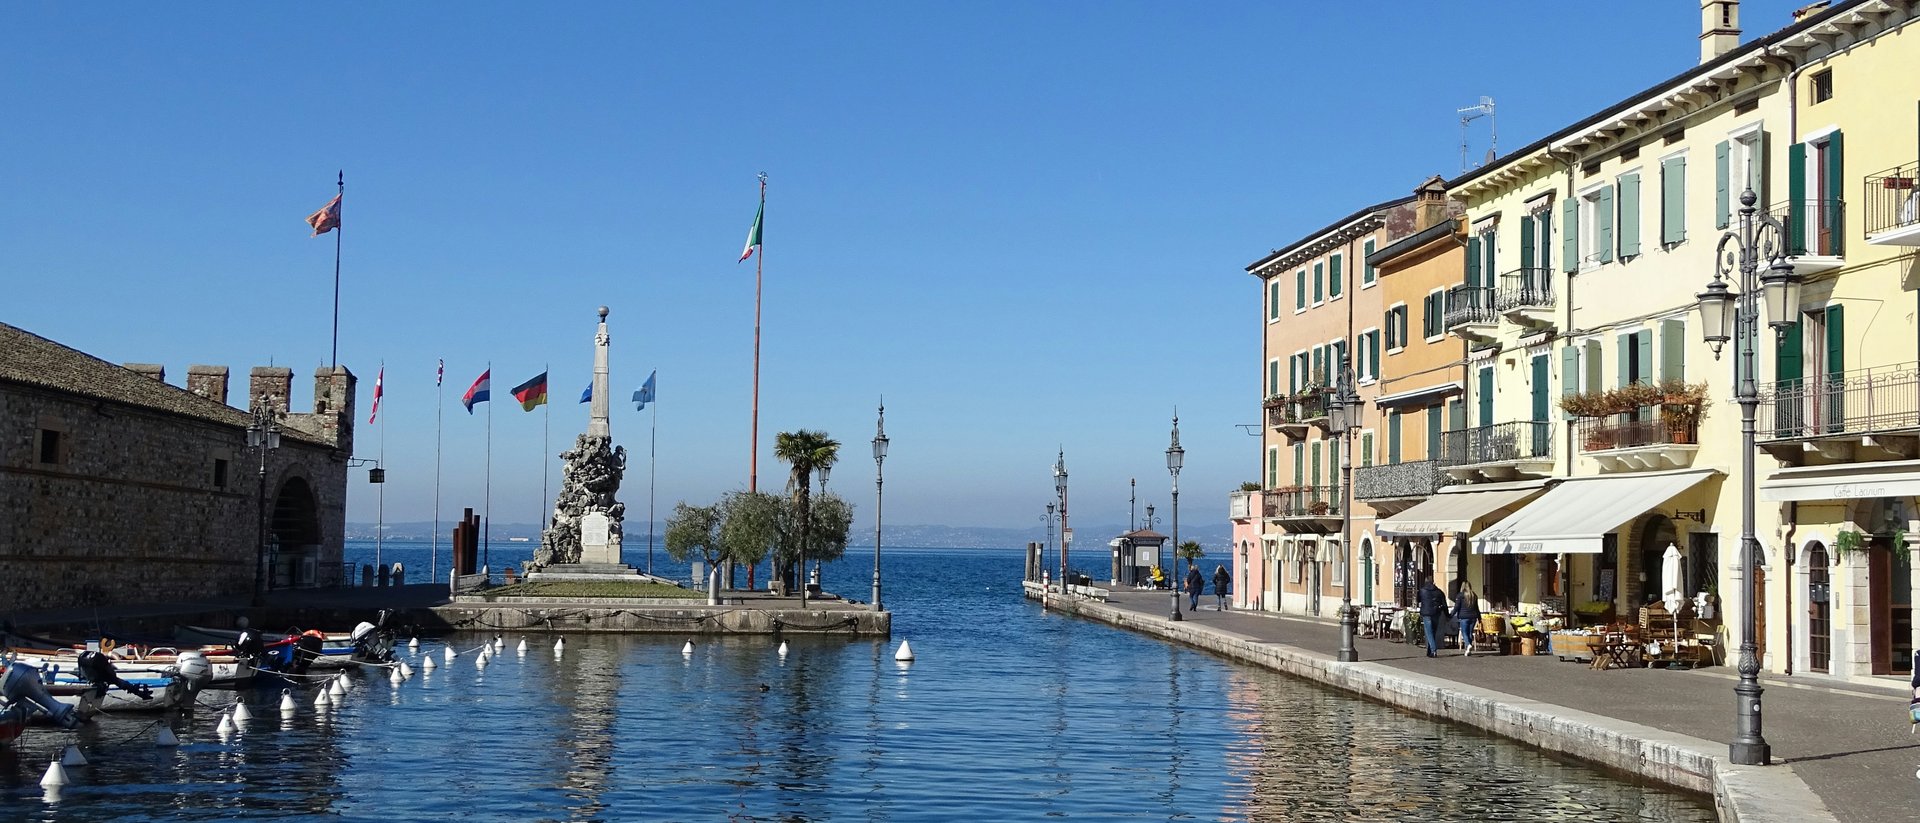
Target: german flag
x=532, y=393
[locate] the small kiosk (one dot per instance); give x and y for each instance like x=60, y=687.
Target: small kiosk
x=1134, y=556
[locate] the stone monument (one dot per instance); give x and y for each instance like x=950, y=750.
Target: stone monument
x=582, y=539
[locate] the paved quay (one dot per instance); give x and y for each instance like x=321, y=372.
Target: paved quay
x=1841, y=752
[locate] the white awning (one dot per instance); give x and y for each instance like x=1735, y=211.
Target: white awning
x=1413, y=395
x=1450, y=513
x=1849, y=481
x=1574, y=516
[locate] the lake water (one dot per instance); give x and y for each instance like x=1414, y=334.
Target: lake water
x=1008, y=714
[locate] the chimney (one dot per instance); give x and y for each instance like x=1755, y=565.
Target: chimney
x=150, y=370
x=1430, y=203
x=1719, y=28
x=269, y=388
x=209, y=382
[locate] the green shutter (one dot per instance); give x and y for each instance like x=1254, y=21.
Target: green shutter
x=1273, y=468
x=1319, y=367
x=1273, y=300
x=1319, y=282
x=1722, y=178
x=1836, y=369
x=1366, y=449
x=1335, y=273
x=1485, y=390
x=1293, y=374
x=1340, y=363
x=1526, y=243
x=1594, y=366
x=1373, y=354
x=1673, y=350
x=1569, y=371
x=1643, y=355
x=1836, y=183
x=1797, y=198
x=1673, y=200
x=1603, y=225
x=1473, y=261
x=1400, y=318
x=1273, y=377
x=1299, y=464
x=1393, y=437
x=1386, y=322
x=1300, y=289
x=1366, y=266
x=1489, y=244
x=1539, y=388
x=1545, y=221
x=1316, y=464
x=1456, y=414
x=1570, y=235
x=1630, y=215
x=1434, y=421
x=1788, y=363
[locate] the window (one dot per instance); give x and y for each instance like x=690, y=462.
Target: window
x=1739, y=163
x=1396, y=327
x=1367, y=356
x=1393, y=437
x=1433, y=321
x=1336, y=272
x=1299, y=464
x=1366, y=449
x=1273, y=468
x=219, y=473
x=1673, y=199
x=1436, y=419
x=1814, y=185
x=1273, y=377
x=1536, y=236
x=52, y=447
x=1300, y=290
x=1299, y=372
x=1367, y=273
x=1823, y=86
x=1592, y=215
x=1319, y=376
x=1294, y=571
x=1673, y=349
x=1627, y=189
x=1337, y=559
x=1480, y=259
x=1319, y=283
x=1273, y=300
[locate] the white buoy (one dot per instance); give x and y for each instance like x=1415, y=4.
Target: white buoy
x=286, y=701
x=338, y=688
x=414, y=643
x=56, y=775
x=322, y=700
x=166, y=737
x=559, y=645
x=226, y=726
x=522, y=648
x=405, y=670
x=499, y=643
x=71, y=756
x=449, y=654
x=905, y=654
x=241, y=713
x=783, y=648
x=480, y=662
x=687, y=649
x=395, y=678
x=427, y=663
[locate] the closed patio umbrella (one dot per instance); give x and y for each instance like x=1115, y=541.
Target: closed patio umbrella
x=1672, y=588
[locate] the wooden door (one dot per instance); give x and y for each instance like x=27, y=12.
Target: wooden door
x=1879, y=606
x=1819, y=610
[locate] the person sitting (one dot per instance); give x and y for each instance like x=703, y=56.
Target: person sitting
x=1158, y=578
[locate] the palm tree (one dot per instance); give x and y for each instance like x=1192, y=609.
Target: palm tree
x=805, y=451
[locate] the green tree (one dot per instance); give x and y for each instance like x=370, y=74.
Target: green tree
x=832, y=520
x=694, y=530
x=804, y=451
x=749, y=528
x=1190, y=549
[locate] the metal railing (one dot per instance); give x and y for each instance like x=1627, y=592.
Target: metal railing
x=1419, y=478
x=1649, y=426
x=1282, y=413
x=1498, y=443
x=1302, y=501
x=1526, y=289
x=1862, y=401
x=1893, y=198
x=1812, y=227
x=1469, y=304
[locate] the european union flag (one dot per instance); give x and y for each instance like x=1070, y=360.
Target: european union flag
x=587, y=396
x=645, y=394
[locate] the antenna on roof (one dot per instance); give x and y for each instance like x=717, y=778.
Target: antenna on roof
x=1470, y=114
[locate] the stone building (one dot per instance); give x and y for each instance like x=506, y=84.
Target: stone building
x=118, y=488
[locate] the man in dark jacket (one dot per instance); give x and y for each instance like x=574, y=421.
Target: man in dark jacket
x=1433, y=608
x=1196, y=585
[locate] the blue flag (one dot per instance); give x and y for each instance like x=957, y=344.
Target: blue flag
x=587, y=396
x=645, y=394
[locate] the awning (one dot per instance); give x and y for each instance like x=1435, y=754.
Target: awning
x=1851, y=481
x=1451, y=511
x=1575, y=515
x=1417, y=395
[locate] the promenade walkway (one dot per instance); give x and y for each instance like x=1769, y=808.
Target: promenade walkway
x=1851, y=745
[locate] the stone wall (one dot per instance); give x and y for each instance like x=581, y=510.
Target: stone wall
x=139, y=505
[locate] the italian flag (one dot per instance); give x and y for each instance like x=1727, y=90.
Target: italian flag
x=753, y=234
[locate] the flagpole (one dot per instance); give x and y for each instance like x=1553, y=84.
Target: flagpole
x=380, y=509
x=486, y=502
x=439, y=411
x=653, y=451
x=546, y=447
x=338, y=228
x=753, y=462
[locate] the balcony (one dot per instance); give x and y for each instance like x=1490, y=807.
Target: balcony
x=1652, y=437
x=1469, y=313
x=1526, y=296
x=1241, y=506
x=1814, y=234
x=1893, y=206
x=1865, y=414
x=1503, y=451
x=1315, y=508
x=1291, y=414
x=1405, y=482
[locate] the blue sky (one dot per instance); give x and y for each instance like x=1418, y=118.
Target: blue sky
x=1024, y=224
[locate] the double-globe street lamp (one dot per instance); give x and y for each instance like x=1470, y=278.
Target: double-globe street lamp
x=1343, y=416
x=823, y=470
x=879, y=496
x=1758, y=236
x=1175, y=457
x=263, y=435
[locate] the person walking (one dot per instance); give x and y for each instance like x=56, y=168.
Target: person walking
x=1195, y=586
x=1222, y=585
x=1466, y=613
x=1433, y=606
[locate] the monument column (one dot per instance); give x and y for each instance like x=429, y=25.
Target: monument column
x=597, y=425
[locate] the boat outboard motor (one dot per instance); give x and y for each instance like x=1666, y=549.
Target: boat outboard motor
x=21, y=686
x=372, y=644
x=98, y=669
x=307, y=648
x=248, y=644
x=194, y=669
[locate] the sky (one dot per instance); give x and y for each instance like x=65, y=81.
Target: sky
x=1023, y=225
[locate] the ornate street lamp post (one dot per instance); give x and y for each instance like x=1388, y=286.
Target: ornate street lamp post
x=1046, y=553
x=1175, y=457
x=822, y=471
x=1737, y=258
x=1066, y=536
x=1343, y=416
x=263, y=435
x=879, y=479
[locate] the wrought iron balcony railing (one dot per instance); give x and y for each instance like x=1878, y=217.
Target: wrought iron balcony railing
x=1302, y=501
x=1498, y=443
x=1893, y=199
x=1526, y=289
x=1813, y=227
x=1649, y=426
x=1863, y=401
x=1469, y=304
x=1416, y=479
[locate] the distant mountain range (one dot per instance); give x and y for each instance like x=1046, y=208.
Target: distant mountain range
x=1212, y=536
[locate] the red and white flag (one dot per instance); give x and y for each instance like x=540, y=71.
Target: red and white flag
x=327, y=218
x=377, y=381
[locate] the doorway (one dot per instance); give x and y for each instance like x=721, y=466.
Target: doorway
x=1819, y=611
x=1890, y=598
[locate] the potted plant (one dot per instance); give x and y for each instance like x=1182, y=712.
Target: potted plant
x=1317, y=507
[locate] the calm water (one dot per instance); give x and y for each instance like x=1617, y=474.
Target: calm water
x=1009, y=714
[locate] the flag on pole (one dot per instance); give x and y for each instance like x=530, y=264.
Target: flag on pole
x=328, y=217
x=479, y=392
x=587, y=396
x=377, y=382
x=441, y=375
x=532, y=393
x=645, y=394
x=753, y=234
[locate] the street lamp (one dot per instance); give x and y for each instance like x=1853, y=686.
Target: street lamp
x=1175, y=457
x=822, y=470
x=263, y=435
x=1757, y=237
x=1066, y=536
x=1047, y=554
x=1343, y=416
x=879, y=480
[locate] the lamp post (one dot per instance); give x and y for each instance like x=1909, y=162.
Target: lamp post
x=879, y=496
x=1156, y=552
x=822, y=471
x=1738, y=258
x=263, y=435
x=1343, y=416
x=1066, y=537
x=1175, y=457
x=1047, y=552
